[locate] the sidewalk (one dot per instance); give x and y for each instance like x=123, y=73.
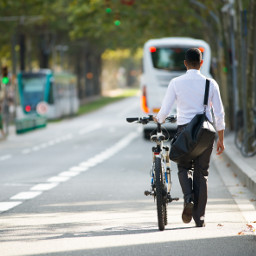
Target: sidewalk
x=244, y=168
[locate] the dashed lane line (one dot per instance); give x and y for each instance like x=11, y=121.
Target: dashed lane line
x=67, y=175
x=54, y=141
x=6, y=206
x=26, y=151
x=26, y=195
x=44, y=186
x=58, y=179
x=5, y=157
x=47, y=144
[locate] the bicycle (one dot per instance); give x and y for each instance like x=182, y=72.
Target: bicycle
x=160, y=171
x=248, y=148
x=239, y=129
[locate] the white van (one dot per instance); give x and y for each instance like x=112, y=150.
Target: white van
x=163, y=60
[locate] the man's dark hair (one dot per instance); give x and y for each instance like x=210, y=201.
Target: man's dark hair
x=193, y=57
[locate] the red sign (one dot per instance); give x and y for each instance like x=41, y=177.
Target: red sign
x=42, y=108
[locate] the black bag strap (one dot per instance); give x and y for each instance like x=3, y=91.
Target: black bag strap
x=206, y=94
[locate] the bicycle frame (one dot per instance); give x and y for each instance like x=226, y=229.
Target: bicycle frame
x=161, y=152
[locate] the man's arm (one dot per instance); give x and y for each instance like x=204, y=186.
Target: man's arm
x=219, y=114
x=167, y=103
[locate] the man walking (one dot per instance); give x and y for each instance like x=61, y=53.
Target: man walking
x=188, y=92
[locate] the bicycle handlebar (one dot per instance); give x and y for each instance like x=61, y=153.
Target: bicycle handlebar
x=145, y=120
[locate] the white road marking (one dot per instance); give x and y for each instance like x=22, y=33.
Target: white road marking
x=88, y=163
x=47, y=144
x=51, y=143
x=78, y=169
x=5, y=157
x=44, y=186
x=44, y=145
x=26, y=195
x=69, y=174
x=68, y=136
x=58, y=140
x=26, y=151
x=58, y=179
x=5, y=206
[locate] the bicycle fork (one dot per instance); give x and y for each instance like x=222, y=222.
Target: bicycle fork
x=167, y=173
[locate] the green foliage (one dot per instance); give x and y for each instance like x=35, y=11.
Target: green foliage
x=138, y=23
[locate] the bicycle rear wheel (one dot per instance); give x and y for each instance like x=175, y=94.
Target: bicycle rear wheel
x=160, y=200
x=250, y=141
x=239, y=138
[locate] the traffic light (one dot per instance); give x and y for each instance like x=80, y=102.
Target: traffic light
x=117, y=22
x=108, y=10
x=5, y=78
x=108, y=6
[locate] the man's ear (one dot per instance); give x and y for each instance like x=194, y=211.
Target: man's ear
x=185, y=63
x=201, y=63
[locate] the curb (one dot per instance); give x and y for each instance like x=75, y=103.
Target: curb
x=246, y=173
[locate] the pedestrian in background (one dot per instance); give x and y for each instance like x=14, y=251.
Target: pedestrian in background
x=188, y=92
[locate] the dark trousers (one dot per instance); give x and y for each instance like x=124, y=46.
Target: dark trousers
x=193, y=177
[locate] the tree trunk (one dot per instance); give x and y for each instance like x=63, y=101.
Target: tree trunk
x=22, y=44
x=250, y=66
x=239, y=53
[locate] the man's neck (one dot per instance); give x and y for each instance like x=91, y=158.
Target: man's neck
x=193, y=68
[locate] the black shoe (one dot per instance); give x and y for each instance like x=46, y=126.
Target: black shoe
x=200, y=224
x=187, y=211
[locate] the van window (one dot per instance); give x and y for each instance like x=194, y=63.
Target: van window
x=169, y=58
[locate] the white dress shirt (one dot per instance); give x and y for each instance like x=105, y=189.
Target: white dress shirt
x=188, y=91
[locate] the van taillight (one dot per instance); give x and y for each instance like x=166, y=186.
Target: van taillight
x=144, y=105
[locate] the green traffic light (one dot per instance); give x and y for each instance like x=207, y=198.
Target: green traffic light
x=5, y=80
x=108, y=10
x=117, y=22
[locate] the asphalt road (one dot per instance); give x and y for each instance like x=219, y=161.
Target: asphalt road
x=76, y=188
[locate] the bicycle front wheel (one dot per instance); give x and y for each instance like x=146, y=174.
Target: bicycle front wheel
x=160, y=200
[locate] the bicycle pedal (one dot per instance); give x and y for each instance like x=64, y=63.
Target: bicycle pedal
x=170, y=199
x=148, y=193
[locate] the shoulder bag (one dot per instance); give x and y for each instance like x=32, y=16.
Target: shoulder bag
x=195, y=138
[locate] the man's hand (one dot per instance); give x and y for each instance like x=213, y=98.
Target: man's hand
x=155, y=120
x=220, y=142
x=220, y=147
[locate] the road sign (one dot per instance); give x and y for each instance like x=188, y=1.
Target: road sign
x=42, y=108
